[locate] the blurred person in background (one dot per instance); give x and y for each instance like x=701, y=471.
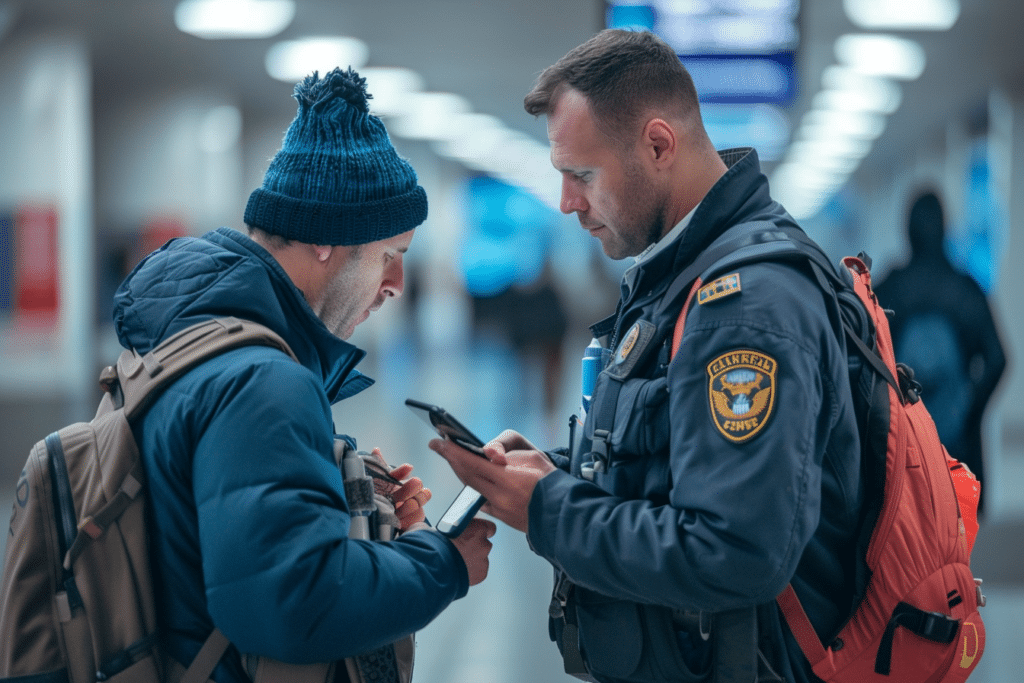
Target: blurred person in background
x=519, y=317
x=249, y=524
x=532, y=320
x=706, y=481
x=943, y=328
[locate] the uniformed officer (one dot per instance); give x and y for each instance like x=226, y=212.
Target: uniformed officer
x=719, y=460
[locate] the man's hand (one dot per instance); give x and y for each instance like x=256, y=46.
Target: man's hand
x=409, y=498
x=506, y=477
x=474, y=546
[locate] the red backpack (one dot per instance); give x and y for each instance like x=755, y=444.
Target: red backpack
x=918, y=620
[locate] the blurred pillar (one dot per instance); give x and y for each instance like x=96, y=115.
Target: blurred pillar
x=168, y=163
x=1005, y=419
x=45, y=88
x=47, y=357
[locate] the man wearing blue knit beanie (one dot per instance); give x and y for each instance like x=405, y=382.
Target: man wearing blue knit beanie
x=250, y=520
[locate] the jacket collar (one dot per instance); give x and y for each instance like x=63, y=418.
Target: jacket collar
x=740, y=195
x=333, y=359
x=320, y=350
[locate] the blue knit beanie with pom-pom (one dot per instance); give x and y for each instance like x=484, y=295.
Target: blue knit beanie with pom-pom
x=337, y=179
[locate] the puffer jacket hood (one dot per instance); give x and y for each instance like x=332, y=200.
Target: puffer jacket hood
x=190, y=279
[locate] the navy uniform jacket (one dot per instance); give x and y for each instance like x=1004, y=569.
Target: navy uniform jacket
x=733, y=467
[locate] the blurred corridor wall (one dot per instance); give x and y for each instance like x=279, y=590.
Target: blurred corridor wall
x=169, y=154
x=46, y=371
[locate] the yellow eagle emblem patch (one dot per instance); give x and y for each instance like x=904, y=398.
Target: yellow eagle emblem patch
x=741, y=390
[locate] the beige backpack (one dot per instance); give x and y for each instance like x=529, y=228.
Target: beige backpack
x=76, y=595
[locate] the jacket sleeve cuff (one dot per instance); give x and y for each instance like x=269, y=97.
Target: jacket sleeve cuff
x=446, y=549
x=560, y=457
x=544, y=510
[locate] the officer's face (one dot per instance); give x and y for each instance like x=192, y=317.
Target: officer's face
x=602, y=181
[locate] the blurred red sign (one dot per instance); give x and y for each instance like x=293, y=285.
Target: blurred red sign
x=37, y=267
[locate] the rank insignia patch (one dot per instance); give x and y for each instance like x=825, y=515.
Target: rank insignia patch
x=741, y=390
x=719, y=289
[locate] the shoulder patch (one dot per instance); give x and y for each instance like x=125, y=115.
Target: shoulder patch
x=719, y=289
x=628, y=342
x=741, y=392
x=634, y=345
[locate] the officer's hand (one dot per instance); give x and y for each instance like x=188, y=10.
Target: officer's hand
x=511, y=440
x=506, y=476
x=474, y=545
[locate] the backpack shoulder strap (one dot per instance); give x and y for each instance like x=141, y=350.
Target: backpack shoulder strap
x=755, y=236
x=141, y=375
x=206, y=660
x=752, y=242
x=742, y=243
x=760, y=243
x=139, y=378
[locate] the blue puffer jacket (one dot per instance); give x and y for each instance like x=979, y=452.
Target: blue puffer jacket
x=249, y=520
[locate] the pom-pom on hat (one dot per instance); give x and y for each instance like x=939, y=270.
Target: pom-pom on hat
x=337, y=179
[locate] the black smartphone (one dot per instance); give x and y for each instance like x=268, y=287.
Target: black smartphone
x=469, y=501
x=445, y=424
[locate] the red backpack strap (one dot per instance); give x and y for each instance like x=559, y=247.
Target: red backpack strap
x=677, y=333
x=968, y=492
x=800, y=625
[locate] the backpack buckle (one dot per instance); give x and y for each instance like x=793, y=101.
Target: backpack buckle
x=108, y=379
x=937, y=627
x=559, y=597
x=90, y=528
x=696, y=622
x=910, y=387
x=600, y=449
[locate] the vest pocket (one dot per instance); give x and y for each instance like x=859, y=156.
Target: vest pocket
x=629, y=642
x=641, y=419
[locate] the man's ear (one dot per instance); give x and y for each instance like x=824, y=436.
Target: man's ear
x=313, y=277
x=322, y=252
x=660, y=139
